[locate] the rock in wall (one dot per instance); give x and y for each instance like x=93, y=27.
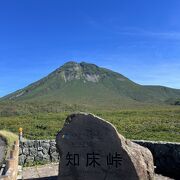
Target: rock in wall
x=38, y=151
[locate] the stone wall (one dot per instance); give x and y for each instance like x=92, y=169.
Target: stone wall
x=33, y=152
x=166, y=155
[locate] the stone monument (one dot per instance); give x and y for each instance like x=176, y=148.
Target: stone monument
x=91, y=149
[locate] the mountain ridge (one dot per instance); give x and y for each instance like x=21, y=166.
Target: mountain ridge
x=84, y=83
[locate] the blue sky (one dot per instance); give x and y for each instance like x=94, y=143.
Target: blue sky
x=137, y=38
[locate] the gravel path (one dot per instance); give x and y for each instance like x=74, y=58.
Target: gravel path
x=2, y=149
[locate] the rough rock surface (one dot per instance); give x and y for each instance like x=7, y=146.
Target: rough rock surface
x=32, y=152
x=166, y=157
x=160, y=177
x=91, y=148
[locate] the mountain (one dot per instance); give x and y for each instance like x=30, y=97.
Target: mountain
x=89, y=85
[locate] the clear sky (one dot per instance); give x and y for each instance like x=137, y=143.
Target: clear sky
x=137, y=38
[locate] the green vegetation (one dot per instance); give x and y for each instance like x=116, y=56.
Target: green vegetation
x=138, y=112
x=156, y=123
x=35, y=163
x=89, y=85
x=9, y=137
x=153, y=124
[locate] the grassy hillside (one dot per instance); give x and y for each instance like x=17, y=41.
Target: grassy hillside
x=155, y=123
x=138, y=112
x=91, y=86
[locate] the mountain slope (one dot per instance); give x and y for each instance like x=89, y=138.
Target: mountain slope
x=90, y=85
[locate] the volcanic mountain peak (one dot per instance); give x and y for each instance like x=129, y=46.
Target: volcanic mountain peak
x=79, y=83
x=75, y=71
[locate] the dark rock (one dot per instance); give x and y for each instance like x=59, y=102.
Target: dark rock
x=45, y=151
x=26, y=151
x=33, y=151
x=39, y=156
x=45, y=145
x=46, y=157
x=29, y=160
x=54, y=156
x=22, y=159
x=91, y=149
x=53, y=149
x=40, y=148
